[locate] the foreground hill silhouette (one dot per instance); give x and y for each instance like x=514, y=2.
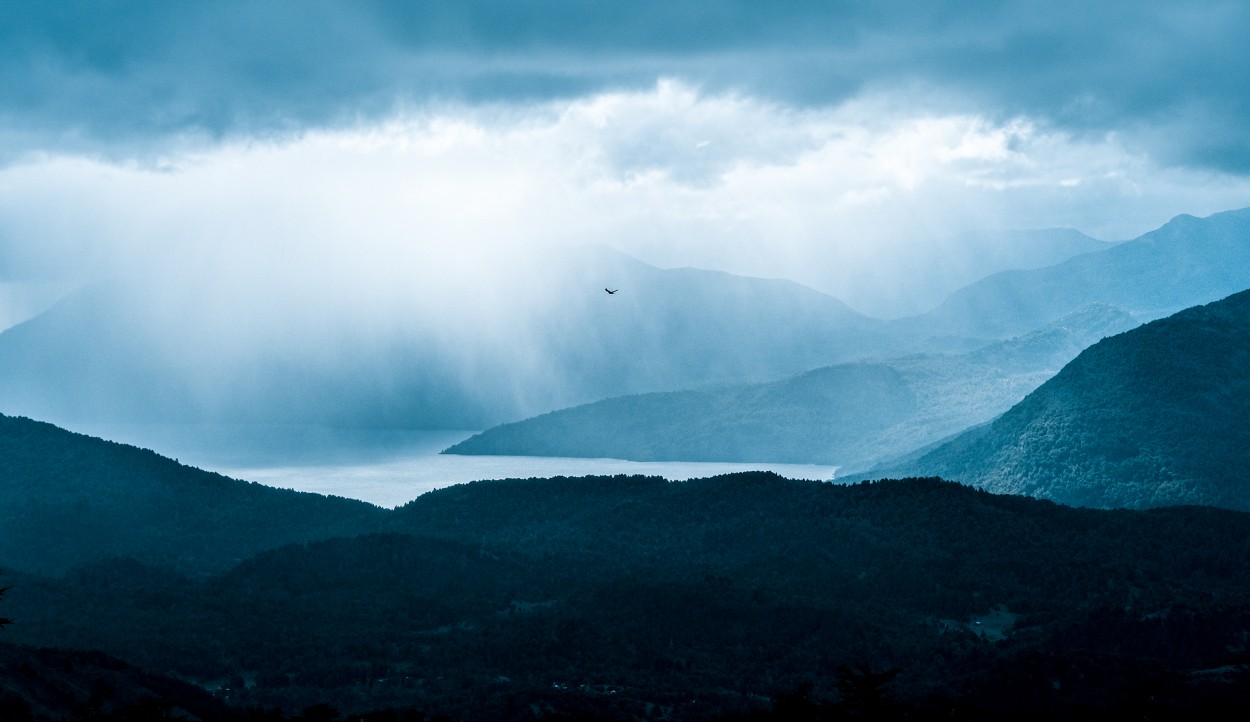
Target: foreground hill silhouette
x=851, y=414
x=50, y=684
x=1152, y=417
x=633, y=597
x=66, y=499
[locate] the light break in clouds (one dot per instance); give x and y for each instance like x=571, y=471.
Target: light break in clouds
x=850, y=200
x=376, y=146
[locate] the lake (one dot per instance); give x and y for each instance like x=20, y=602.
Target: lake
x=383, y=467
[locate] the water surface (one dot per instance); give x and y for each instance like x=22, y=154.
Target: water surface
x=384, y=467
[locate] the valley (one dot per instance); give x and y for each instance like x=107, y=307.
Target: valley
x=640, y=596
x=683, y=361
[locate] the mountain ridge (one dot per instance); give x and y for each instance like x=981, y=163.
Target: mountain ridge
x=628, y=595
x=845, y=414
x=109, y=499
x=1186, y=261
x=1150, y=417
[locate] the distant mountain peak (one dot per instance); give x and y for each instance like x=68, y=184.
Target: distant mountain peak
x=1187, y=261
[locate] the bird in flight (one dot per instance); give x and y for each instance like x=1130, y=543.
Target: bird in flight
x=610, y=291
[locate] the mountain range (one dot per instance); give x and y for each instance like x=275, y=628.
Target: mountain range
x=1151, y=417
x=636, y=597
x=619, y=597
x=1185, y=262
x=117, y=352
x=859, y=415
x=852, y=415
x=744, y=596
x=545, y=337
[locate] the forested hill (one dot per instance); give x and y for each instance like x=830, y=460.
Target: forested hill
x=744, y=515
x=1152, y=417
x=66, y=498
x=56, y=685
x=636, y=598
x=618, y=597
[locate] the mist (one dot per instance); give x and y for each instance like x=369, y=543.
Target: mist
x=620, y=308
x=437, y=259
x=451, y=197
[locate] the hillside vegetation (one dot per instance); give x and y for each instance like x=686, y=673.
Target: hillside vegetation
x=66, y=498
x=1152, y=417
x=633, y=597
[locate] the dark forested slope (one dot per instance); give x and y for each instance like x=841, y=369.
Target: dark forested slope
x=639, y=598
x=66, y=498
x=619, y=598
x=1152, y=417
x=52, y=685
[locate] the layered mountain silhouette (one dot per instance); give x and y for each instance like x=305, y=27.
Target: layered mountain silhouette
x=1151, y=417
x=859, y=415
x=1185, y=262
x=608, y=597
x=621, y=597
x=853, y=415
x=546, y=337
x=68, y=499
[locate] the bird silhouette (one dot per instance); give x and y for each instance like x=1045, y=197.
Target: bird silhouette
x=610, y=291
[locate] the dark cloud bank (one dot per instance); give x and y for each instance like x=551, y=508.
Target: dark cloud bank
x=83, y=76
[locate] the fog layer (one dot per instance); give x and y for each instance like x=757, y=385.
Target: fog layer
x=389, y=272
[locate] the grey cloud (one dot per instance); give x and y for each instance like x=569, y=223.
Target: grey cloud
x=132, y=78
x=1170, y=76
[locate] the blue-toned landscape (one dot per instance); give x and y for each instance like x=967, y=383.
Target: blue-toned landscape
x=653, y=362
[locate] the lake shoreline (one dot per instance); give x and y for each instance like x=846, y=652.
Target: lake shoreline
x=385, y=467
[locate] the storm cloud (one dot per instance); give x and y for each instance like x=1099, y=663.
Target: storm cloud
x=140, y=79
x=327, y=186
x=382, y=145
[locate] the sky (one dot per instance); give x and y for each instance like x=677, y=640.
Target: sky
x=365, y=146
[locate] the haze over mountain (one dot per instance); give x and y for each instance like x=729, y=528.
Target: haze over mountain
x=230, y=346
x=260, y=199
x=858, y=416
x=448, y=357
x=348, y=215
x=1151, y=417
x=22, y=300
x=853, y=415
x=1186, y=262
x=936, y=268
